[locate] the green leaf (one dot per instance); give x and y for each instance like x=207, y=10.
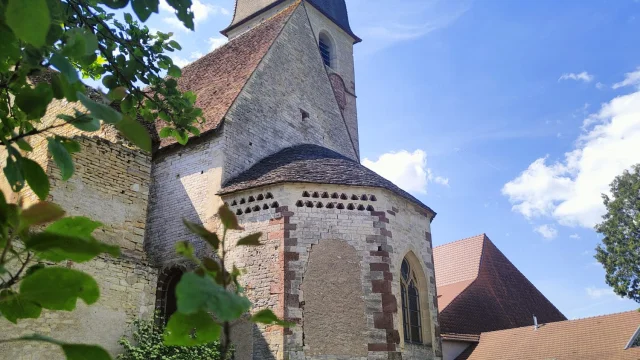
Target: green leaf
x=83, y=352
x=228, y=218
x=110, y=81
x=165, y=132
x=61, y=63
x=70, y=239
x=191, y=330
x=267, y=316
x=73, y=351
x=115, y=4
x=29, y=20
x=184, y=248
x=100, y=111
x=24, y=145
x=80, y=43
x=174, y=44
x=118, y=93
x=205, y=234
x=36, y=178
x=181, y=136
x=196, y=294
x=13, y=173
x=83, y=122
x=174, y=71
x=34, y=101
x=144, y=8
x=41, y=213
x=13, y=307
x=56, y=247
x=251, y=240
x=133, y=131
x=58, y=288
x=74, y=226
x=72, y=146
x=61, y=157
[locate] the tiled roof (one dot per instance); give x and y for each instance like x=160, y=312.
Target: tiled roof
x=596, y=338
x=218, y=77
x=480, y=290
x=312, y=164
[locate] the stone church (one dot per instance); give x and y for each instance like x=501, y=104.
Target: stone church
x=347, y=254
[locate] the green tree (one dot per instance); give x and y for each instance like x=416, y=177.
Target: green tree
x=619, y=252
x=47, y=49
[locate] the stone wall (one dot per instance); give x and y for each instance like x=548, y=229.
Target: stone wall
x=267, y=116
x=185, y=183
x=381, y=229
x=110, y=185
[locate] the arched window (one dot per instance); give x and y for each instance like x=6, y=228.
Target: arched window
x=411, y=316
x=326, y=49
x=166, y=302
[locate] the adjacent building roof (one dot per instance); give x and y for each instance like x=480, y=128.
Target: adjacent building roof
x=218, y=77
x=480, y=290
x=312, y=164
x=336, y=10
x=596, y=338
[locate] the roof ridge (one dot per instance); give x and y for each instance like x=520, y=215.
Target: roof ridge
x=465, y=239
x=563, y=321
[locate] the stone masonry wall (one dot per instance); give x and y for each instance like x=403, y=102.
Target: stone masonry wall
x=185, y=182
x=382, y=229
x=110, y=185
x=267, y=116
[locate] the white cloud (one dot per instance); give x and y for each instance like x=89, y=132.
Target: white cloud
x=599, y=293
x=441, y=180
x=201, y=12
x=569, y=190
x=630, y=79
x=600, y=86
x=216, y=42
x=583, y=76
x=196, y=55
x=547, y=231
x=180, y=62
x=407, y=170
x=575, y=236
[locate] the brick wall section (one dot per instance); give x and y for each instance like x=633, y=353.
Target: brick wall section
x=266, y=117
x=381, y=238
x=185, y=182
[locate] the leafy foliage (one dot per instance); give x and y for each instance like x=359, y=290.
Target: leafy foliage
x=619, y=252
x=148, y=344
x=47, y=49
x=210, y=297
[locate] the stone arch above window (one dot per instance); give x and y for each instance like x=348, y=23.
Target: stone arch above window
x=414, y=295
x=166, y=302
x=327, y=49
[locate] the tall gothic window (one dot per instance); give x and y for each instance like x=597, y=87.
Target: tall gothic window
x=326, y=49
x=411, y=317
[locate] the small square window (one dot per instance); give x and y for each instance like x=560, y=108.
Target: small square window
x=304, y=114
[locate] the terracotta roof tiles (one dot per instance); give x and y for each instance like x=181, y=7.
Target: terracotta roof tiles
x=218, y=77
x=480, y=290
x=596, y=338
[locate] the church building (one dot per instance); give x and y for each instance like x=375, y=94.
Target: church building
x=347, y=254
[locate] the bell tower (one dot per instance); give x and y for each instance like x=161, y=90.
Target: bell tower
x=329, y=20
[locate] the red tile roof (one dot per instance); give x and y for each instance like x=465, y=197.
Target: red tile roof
x=596, y=338
x=480, y=290
x=218, y=77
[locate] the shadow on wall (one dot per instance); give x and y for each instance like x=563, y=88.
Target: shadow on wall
x=179, y=190
x=249, y=342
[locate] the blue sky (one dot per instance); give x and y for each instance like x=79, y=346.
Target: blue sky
x=506, y=117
